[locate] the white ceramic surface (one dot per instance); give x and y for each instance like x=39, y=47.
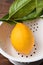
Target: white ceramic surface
x=9, y=52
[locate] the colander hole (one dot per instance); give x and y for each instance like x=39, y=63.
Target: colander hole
x=26, y=56
x=31, y=55
x=34, y=45
x=34, y=52
x=35, y=49
x=37, y=26
x=33, y=31
x=31, y=25
x=18, y=53
x=36, y=23
x=22, y=56
x=36, y=29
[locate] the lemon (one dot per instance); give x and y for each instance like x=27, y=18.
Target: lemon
x=22, y=38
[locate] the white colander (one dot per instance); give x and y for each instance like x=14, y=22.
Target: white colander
x=9, y=52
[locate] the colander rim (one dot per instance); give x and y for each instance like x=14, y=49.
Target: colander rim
x=15, y=59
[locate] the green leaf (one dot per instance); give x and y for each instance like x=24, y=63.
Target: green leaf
x=36, y=13
x=39, y=5
x=5, y=19
x=41, y=15
x=31, y=16
x=21, y=8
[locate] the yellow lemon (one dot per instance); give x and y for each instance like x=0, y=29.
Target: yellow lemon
x=22, y=38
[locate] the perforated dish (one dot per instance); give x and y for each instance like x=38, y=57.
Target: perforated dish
x=9, y=52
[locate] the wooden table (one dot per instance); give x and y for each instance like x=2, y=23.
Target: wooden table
x=4, y=7
x=4, y=61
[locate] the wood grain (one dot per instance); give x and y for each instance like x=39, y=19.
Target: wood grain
x=4, y=8
x=4, y=61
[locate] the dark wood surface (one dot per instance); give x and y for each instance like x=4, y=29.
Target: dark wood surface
x=4, y=61
x=4, y=7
